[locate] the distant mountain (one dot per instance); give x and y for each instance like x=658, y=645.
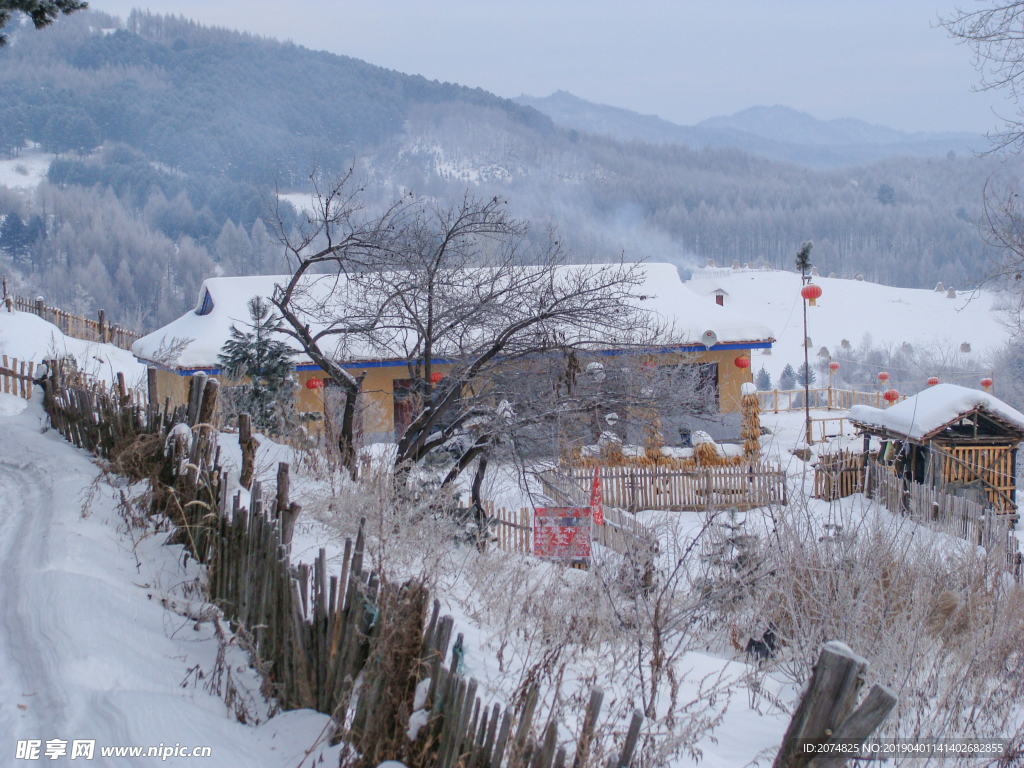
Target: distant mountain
x=208, y=100
x=778, y=132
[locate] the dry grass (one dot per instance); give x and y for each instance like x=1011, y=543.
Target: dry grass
x=939, y=619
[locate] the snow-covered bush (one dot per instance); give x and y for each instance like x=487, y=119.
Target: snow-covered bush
x=937, y=617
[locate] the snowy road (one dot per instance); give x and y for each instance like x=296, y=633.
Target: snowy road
x=87, y=651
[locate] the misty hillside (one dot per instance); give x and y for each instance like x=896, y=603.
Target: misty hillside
x=168, y=139
x=211, y=101
x=777, y=132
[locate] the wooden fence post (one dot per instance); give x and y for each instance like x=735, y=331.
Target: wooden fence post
x=826, y=712
x=248, y=445
x=151, y=394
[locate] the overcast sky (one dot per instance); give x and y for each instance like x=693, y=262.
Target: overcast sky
x=878, y=60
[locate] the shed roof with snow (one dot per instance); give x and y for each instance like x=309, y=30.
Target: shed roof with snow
x=222, y=303
x=943, y=411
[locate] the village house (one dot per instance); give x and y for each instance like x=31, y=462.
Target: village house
x=718, y=338
x=959, y=440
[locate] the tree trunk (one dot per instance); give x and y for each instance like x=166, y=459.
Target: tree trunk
x=346, y=440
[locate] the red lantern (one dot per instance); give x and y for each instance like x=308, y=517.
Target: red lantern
x=435, y=377
x=883, y=377
x=833, y=366
x=742, y=362
x=314, y=383
x=933, y=381
x=891, y=395
x=811, y=292
x=986, y=383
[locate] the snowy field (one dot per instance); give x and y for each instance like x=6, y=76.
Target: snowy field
x=25, y=171
x=851, y=309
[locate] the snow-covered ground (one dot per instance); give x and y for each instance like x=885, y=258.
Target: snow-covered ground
x=849, y=309
x=88, y=649
x=25, y=171
x=29, y=338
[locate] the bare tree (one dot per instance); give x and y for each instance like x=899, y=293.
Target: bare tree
x=995, y=33
x=337, y=241
x=466, y=287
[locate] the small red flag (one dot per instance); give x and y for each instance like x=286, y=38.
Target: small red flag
x=596, y=499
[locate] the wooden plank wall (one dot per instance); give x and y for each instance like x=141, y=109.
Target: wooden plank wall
x=991, y=463
x=742, y=486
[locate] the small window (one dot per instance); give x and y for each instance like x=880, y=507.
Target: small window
x=207, y=305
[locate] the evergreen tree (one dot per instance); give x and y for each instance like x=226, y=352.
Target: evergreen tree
x=804, y=373
x=266, y=361
x=763, y=380
x=787, y=379
x=42, y=12
x=14, y=236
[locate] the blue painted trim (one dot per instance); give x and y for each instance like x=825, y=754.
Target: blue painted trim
x=443, y=361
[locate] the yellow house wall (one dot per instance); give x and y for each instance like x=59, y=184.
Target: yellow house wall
x=377, y=405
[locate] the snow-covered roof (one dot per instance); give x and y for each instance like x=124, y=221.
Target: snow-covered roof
x=664, y=294
x=927, y=412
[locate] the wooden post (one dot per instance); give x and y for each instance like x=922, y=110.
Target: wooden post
x=122, y=389
x=587, y=732
x=103, y=326
x=826, y=713
x=248, y=446
x=208, y=406
x=151, y=392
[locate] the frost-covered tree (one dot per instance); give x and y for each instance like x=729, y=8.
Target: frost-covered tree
x=42, y=12
x=258, y=355
x=805, y=375
x=763, y=380
x=787, y=379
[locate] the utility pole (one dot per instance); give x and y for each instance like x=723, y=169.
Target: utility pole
x=803, y=263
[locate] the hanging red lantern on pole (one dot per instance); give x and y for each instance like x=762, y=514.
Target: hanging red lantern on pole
x=435, y=377
x=891, y=396
x=986, y=383
x=883, y=377
x=811, y=293
x=314, y=383
x=833, y=366
x=933, y=381
x=742, y=361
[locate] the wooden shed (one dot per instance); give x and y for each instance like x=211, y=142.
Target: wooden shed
x=959, y=440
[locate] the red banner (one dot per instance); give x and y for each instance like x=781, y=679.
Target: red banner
x=562, y=533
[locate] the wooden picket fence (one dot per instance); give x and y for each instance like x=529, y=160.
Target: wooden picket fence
x=312, y=634
x=838, y=475
x=512, y=527
x=954, y=515
x=828, y=398
x=743, y=486
x=70, y=324
x=16, y=377
x=621, y=532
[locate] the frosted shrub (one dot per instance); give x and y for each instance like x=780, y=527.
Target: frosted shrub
x=938, y=619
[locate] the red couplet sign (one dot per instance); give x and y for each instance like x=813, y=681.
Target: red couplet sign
x=562, y=533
